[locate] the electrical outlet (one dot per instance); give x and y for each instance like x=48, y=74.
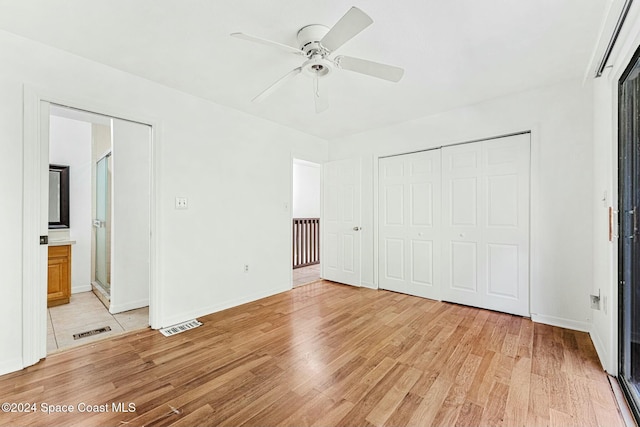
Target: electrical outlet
x=595, y=302
x=182, y=203
x=604, y=303
x=246, y=268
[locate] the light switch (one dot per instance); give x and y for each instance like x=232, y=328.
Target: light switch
x=181, y=203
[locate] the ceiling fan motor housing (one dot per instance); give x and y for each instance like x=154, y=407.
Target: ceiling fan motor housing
x=309, y=40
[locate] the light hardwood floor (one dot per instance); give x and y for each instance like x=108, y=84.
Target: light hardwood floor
x=329, y=355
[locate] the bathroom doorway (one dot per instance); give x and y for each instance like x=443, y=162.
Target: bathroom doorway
x=108, y=161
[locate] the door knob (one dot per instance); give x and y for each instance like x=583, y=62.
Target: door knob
x=357, y=228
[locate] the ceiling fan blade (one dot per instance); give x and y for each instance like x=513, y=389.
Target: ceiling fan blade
x=370, y=68
x=266, y=42
x=268, y=91
x=320, y=96
x=346, y=28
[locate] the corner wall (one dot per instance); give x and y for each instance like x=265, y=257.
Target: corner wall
x=560, y=118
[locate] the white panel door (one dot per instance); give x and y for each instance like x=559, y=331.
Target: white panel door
x=130, y=248
x=340, y=218
x=485, y=227
x=409, y=220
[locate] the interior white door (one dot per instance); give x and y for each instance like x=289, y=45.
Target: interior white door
x=485, y=229
x=340, y=221
x=130, y=247
x=409, y=221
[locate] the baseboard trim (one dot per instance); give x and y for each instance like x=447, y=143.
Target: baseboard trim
x=173, y=320
x=80, y=289
x=561, y=322
x=603, y=354
x=9, y=366
x=115, y=309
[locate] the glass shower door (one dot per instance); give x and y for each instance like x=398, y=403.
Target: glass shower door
x=101, y=222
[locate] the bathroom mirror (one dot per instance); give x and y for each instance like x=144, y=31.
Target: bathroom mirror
x=58, y=196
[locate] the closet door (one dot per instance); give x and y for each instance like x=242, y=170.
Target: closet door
x=409, y=209
x=485, y=228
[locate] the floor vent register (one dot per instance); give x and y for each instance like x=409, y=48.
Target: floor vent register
x=180, y=327
x=91, y=333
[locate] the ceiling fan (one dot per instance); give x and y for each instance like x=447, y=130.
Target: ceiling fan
x=317, y=42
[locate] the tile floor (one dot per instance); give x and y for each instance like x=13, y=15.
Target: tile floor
x=84, y=313
x=304, y=275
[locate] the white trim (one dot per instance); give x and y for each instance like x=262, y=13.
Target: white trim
x=155, y=286
x=131, y=305
x=172, y=320
x=376, y=214
x=561, y=322
x=601, y=349
x=34, y=291
x=291, y=163
x=80, y=289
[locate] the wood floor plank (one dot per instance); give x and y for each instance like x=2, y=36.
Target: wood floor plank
x=470, y=415
x=494, y=411
x=517, y=406
x=393, y=397
x=326, y=354
x=373, y=397
x=404, y=410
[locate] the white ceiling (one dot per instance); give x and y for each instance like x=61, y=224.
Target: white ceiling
x=455, y=52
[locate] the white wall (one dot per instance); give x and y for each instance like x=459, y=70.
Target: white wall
x=605, y=274
x=306, y=189
x=560, y=118
x=70, y=144
x=234, y=168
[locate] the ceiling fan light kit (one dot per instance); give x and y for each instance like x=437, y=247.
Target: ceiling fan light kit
x=317, y=42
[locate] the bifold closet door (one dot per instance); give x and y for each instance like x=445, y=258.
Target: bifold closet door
x=485, y=226
x=409, y=221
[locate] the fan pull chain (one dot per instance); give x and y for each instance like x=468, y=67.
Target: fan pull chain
x=315, y=87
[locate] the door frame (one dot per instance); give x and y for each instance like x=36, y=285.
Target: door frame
x=620, y=195
x=534, y=197
x=36, y=103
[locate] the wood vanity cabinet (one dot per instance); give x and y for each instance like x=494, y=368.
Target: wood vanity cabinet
x=59, y=275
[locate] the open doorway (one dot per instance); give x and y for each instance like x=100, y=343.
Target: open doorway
x=85, y=253
x=306, y=222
